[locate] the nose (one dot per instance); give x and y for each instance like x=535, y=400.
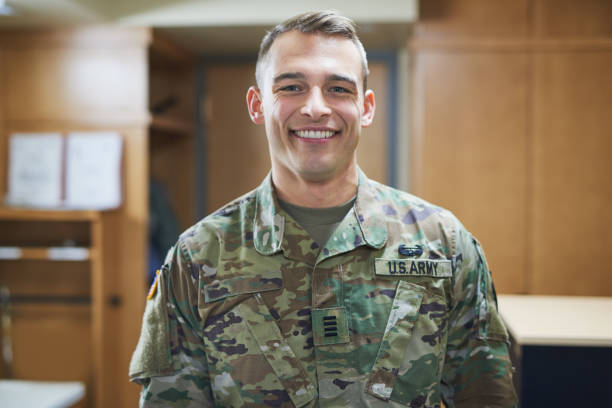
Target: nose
x=315, y=106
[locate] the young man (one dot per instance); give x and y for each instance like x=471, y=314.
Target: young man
x=321, y=287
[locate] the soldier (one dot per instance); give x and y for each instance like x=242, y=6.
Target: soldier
x=322, y=287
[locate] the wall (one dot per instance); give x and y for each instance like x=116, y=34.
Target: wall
x=512, y=112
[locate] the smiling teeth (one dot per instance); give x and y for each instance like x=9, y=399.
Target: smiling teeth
x=314, y=134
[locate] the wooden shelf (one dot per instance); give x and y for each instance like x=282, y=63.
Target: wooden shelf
x=29, y=214
x=92, y=306
x=46, y=253
x=170, y=125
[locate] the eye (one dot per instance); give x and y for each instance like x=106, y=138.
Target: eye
x=289, y=88
x=339, y=89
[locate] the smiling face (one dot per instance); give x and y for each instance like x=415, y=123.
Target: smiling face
x=313, y=105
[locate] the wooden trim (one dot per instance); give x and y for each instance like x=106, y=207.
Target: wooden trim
x=25, y=214
x=509, y=45
x=42, y=253
x=171, y=125
x=94, y=37
x=106, y=122
x=527, y=272
x=98, y=315
x=417, y=127
x=167, y=50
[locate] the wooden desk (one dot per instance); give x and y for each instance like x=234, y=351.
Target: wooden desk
x=561, y=348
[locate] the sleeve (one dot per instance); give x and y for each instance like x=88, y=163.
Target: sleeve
x=477, y=370
x=169, y=360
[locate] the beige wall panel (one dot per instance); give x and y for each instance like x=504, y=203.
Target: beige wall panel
x=469, y=150
x=571, y=18
x=372, y=149
x=572, y=168
x=75, y=84
x=472, y=18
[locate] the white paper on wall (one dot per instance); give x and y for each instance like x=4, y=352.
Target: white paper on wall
x=93, y=170
x=35, y=170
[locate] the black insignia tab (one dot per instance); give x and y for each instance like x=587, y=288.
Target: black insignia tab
x=330, y=326
x=416, y=250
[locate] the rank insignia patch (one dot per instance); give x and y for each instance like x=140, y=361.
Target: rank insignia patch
x=330, y=326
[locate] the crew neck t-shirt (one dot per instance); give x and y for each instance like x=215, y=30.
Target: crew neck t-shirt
x=320, y=223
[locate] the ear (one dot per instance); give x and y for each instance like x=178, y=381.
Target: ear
x=255, y=105
x=369, y=107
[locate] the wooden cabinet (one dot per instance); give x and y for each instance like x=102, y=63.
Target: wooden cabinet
x=173, y=145
x=52, y=264
x=80, y=79
x=470, y=150
x=572, y=120
x=511, y=114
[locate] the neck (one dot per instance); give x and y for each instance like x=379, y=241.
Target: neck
x=296, y=190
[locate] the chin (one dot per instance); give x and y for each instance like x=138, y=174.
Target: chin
x=316, y=175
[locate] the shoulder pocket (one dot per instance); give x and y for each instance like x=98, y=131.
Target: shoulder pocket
x=152, y=354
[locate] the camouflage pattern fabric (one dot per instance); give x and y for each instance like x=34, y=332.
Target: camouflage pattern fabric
x=397, y=310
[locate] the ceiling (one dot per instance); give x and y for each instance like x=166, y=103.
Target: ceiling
x=216, y=27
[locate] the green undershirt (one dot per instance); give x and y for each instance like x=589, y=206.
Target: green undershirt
x=320, y=223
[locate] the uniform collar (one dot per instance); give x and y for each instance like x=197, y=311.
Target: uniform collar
x=269, y=221
x=369, y=212
x=269, y=224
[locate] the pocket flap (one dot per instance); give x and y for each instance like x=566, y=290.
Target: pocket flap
x=277, y=351
x=404, y=312
x=220, y=289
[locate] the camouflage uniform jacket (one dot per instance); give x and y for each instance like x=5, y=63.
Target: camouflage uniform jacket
x=397, y=310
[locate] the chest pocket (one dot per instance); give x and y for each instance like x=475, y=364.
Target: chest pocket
x=408, y=364
x=249, y=360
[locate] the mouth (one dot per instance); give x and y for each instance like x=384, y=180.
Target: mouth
x=314, y=134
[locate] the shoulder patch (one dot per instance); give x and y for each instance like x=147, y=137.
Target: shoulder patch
x=153, y=288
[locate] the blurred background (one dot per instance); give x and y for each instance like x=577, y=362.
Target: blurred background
x=500, y=111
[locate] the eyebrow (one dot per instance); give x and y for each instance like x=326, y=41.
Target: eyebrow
x=299, y=75
x=336, y=77
x=289, y=75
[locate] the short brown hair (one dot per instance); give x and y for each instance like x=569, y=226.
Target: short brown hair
x=326, y=22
